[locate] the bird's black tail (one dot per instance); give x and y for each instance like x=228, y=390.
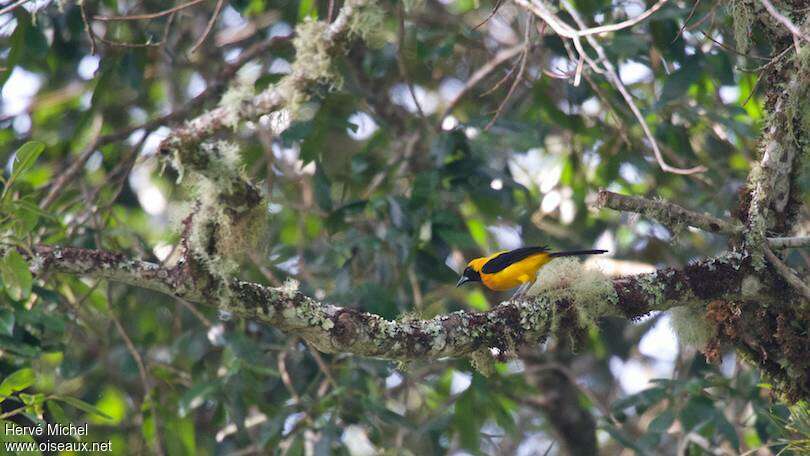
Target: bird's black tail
x=576, y=252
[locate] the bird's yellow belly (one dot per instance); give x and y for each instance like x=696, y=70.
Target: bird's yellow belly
x=515, y=275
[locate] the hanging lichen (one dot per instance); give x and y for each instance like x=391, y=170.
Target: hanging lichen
x=743, y=18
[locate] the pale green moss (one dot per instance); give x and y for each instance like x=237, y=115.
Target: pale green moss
x=751, y=286
x=312, y=59
x=232, y=101
x=239, y=93
x=368, y=24
x=483, y=361
x=413, y=5
x=743, y=18
x=691, y=326
x=589, y=290
x=220, y=234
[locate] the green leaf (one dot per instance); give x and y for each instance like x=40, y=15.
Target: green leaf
x=322, y=187
x=679, y=82
x=19, y=348
x=83, y=406
x=466, y=421
x=195, y=397
x=6, y=322
x=662, y=422
x=627, y=441
x=306, y=9
x=17, y=381
x=640, y=401
x=24, y=159
x=697, y=411
x=16, y=277
x=57, y=413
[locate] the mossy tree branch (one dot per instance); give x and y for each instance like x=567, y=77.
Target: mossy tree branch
x=670, y=214
x=197, y=130
x=337, y=329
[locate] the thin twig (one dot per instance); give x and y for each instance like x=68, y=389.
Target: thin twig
x=614, y=78
x=501, y=57
x=14, y=6
x=492, y=13
x=519, y=76
x=787, y=273
x=147, y=16
x=316, y=355
x=731, y=49
x=87, y=28
x=686, y=21
x=142, y=373
x=191, y=308
x=211, y=22
x=285, y=375
x=403, y=70
x=566, y=31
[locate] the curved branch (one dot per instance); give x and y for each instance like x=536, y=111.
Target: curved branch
x=337, y=329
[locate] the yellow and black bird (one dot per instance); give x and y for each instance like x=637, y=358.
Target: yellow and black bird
x=508, y=269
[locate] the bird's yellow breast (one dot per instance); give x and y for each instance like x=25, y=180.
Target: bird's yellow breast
x=516, y=274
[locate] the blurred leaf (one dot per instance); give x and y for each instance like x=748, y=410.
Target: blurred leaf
x=16, y=277
x=307, y=9
x=17, y=381
x=677, y=83
x=112, y=404
x=697, y=411
x=24, y=159
x=662, y=422
x=195, y=396
x=640, y=401
x=322, y=187
x=6, y=322
x=81, y=405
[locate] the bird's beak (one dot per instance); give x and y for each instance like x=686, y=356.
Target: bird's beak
x=462, y=281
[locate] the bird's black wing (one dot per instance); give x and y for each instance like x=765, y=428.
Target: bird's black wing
x=504, y=260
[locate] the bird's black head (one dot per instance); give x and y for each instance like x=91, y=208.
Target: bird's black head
x=469, y=275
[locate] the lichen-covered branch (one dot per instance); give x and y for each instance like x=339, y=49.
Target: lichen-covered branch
x=774, y=196
x=673, y=215
x=670, y=214
x=789, y=242
x=315, y=43
x=337, y=329
x=771, y=337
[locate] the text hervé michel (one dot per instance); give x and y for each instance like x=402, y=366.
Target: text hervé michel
x=54, y=429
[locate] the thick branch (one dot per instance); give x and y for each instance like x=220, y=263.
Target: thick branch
x=336, y=329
